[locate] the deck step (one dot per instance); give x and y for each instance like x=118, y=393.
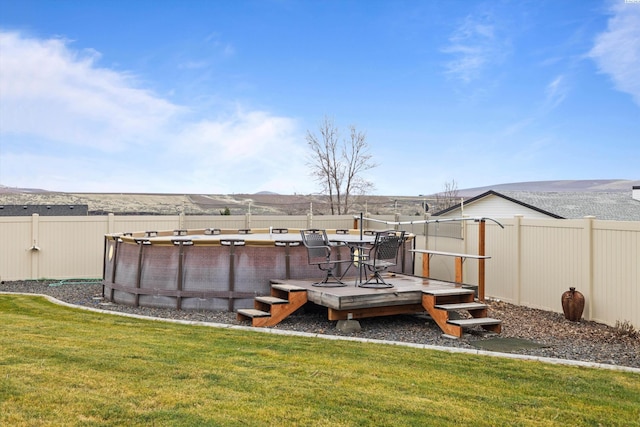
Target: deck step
x=462, y=306
x=271, y=300
x=269, y=310
x=287, y=288
x=477, y=321
x=448, y=292
x=253, y=313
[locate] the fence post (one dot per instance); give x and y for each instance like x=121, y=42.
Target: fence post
x=463, y=235
x=517, y=223
x=35, y=249
x=111, y=223
x=426, y=218
x=247, y=220
x=588, y=258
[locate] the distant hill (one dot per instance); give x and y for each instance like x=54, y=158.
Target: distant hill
x=269, y=203
x=602, y=185
x=14, y=190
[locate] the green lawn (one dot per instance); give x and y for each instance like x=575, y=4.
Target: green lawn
x=64, y=366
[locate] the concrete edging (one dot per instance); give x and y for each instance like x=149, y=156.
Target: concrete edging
x=549, y=360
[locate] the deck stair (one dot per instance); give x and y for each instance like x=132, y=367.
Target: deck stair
x=439, y=303
x=271, y=310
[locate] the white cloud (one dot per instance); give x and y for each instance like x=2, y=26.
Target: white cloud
x=240, y=136
x=224, y=48
x=68, y=124
x=52, y=92
x=555, y=93
x=616, y=51
x=474, y=46
x=255, y=144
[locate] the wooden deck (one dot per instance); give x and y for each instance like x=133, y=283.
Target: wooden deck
x=409, y=295
x=354, y=302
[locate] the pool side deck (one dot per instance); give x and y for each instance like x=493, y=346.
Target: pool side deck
x=353, y=302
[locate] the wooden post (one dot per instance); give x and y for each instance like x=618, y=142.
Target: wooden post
x=481, y=231
x=459, y=260
x=425, y=265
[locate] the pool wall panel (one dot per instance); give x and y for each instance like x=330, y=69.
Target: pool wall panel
x=197, y=275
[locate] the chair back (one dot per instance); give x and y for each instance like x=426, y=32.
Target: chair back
x=317, y=244
x=386, y=246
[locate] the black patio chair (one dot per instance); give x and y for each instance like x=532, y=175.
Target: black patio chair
x=320, y=252
x=379, y=257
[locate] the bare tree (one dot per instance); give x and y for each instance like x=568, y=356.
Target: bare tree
x=338, y=165
x=448, y=196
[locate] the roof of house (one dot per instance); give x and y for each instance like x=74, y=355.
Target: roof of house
x=616, y=206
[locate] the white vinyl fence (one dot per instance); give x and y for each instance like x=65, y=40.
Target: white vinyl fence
x=533, y=261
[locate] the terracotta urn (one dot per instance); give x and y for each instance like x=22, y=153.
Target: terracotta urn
x=572, y=305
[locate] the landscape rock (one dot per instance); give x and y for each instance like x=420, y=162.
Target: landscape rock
x=556, y=337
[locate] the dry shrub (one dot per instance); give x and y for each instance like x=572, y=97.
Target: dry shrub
x=626, y=329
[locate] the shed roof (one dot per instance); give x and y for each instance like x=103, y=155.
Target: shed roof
x=44, y=210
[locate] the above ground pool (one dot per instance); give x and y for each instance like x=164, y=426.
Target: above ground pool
x=213, y=269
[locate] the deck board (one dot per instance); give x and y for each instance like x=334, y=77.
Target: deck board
x=406, y=290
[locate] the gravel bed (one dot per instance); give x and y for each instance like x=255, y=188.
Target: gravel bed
x=555, y=337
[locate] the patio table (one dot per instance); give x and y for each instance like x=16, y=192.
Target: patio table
x=355, y=243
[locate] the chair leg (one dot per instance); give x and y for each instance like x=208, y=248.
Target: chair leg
x=378, y=284
x=335, y=283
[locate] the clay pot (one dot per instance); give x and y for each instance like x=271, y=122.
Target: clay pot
x=572, y=305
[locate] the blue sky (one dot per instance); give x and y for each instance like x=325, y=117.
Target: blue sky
x=217, y=96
